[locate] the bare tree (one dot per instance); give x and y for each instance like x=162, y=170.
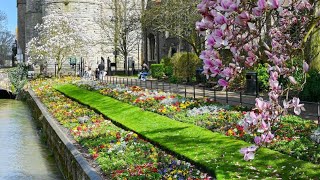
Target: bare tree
x=6, y=40
x=3, y=19
x=176, y=18
x=121, y=26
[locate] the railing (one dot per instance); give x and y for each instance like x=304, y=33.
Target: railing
x=194, y=91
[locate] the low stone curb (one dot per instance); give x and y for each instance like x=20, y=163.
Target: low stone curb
x=68, y=158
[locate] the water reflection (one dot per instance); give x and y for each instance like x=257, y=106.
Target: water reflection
x=22, y=155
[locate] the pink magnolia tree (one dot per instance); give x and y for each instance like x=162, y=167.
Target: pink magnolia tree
x=251, y=31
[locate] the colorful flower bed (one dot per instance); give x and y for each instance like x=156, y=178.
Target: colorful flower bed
x=292, y=134
x=120, y=154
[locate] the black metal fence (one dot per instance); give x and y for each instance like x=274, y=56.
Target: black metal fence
x=195, y=91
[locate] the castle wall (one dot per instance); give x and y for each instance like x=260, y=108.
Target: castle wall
x=21, y=7
x=33, y=17
x=83, y=13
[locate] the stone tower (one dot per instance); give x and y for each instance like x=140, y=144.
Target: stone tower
x=84, y=13
x=21, y=8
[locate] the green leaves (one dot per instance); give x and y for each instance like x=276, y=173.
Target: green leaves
x=18, y=77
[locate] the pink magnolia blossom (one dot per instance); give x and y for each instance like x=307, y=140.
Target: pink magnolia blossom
x=263, y=127
x=292, y=80
x=254, y=118
x=235, y=28
x=223, y=82
x=257, y=140
x=273, y=96
x=248, y=152
x=274, y=75
x=227, y=5
x=243, y=18
x=262, y=4
x=267, y=137
x=286, y=104
x=296, y=106
x=257, y=11
x=220, y=19
x=305, y=67
x=274, y=4
x=260, y=104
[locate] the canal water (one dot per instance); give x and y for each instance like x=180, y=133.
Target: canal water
x=22, y=154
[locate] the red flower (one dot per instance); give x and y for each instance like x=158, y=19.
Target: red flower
x=95, y=155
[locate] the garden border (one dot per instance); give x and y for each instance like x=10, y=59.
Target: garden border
x=68, y=158
x=277, y=160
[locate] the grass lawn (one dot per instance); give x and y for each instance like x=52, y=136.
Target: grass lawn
x=217, y=153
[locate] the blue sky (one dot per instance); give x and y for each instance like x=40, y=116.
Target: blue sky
x=10, y=9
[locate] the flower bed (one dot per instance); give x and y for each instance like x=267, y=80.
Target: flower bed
x=213, y=151
x=120, y=154
x=292, y=134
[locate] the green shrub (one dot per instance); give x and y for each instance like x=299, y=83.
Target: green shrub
x=185, y=65
x=167, y=65
x=18, y=77
x=311, y=89
x=157, y=70
x=263, y=77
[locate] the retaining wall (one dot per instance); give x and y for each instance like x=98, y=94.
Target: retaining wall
x=69, y=160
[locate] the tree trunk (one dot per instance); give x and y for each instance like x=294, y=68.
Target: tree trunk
x=315, y=45
x=59, y=63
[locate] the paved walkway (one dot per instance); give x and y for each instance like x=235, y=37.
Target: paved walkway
x=232, y=98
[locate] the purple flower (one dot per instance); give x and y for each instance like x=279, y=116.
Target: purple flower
x=248, y=152
x=227, y=72
x=262, y=4
x=257, y=140
x=260, y=104
x=273, y=96
x=223, y=82
x=274, y=4
x=220, y=19
x=257, y=11
x=267, y=137
x=264, y=127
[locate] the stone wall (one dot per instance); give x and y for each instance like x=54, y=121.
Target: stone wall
x=69, y=160
x=21, y=9
x=84, y=13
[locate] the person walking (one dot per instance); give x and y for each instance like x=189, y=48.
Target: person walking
x=101, y=68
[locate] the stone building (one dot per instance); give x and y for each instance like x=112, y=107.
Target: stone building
x=157, y=45
x=84, y=12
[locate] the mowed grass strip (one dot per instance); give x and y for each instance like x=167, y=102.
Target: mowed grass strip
x=215, y=152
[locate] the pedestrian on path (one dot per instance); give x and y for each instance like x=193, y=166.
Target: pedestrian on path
x=101, y=68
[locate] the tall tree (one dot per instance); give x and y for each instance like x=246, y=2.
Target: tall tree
x=3, y=19
x=176, y=18
x=58, y=39
x=6, y=41
x=123, y=27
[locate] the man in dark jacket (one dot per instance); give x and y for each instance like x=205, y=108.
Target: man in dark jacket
x=101, y=68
